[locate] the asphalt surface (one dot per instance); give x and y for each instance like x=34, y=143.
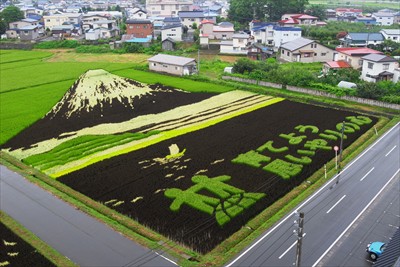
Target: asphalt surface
x=333, y=211
x=81, y=238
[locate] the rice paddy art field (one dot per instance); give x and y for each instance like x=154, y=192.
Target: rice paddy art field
x=194, y=167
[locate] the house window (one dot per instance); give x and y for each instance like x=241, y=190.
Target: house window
x=370, y=65
x=385, y=66
x=162, y=7
x=165, y=66
x=283, y=52
x=323, y=54
x=154, y=64
x=288, y=53
x=315, y=54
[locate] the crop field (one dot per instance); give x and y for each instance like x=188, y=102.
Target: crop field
x=14, y=251
x=194, y=167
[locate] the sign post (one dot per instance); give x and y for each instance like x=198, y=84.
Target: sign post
x=336, y=148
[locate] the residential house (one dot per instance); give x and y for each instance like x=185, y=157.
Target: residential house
x=88, y=20
x=102, y=29
x=173, y=64
x=391, y=34
x=51, y=21
x=173, y=32
x=24, y=33
x=223, y=31
x=263, y=33
x=117, y=15
x=188, y=18
x=129, y=38
x=348, y=12
x=396, y=18
x=168, y=44
x=171, y=21
x=298, y=19
x=384, y=18
x=167, y=8
x=334, y=66
x=353, y=55
x=257, y=51
x=136, y=13
x=366, y=20
x=139, y=28
x=23, y=22
x=377, y=68
x=283, y=35
x=305, y=50
x=330, y=14
x=59, y=19
x=64, y=30
x=31, y=10
x=237, y=46
x=362, y=39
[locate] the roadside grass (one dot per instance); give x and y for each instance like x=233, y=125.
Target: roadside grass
x=44, y=249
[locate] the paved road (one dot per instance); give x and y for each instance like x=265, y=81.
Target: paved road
x=332, y=211
x=73, y=233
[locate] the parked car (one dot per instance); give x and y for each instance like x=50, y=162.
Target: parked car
x=375, y=249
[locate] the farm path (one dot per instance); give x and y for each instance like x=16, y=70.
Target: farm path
x=81, y=238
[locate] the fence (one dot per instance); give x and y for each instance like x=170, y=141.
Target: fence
x=23, y=46
x=315, y=92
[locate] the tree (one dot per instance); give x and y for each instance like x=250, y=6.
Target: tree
x=244, y=66
x=10, y=14
x=245, y=11
x=317, y=11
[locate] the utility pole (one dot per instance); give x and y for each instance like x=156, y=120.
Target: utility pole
x=198, y=61
x=340, y=152
x=299, y=238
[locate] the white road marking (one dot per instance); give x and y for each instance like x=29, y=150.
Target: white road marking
x=355, y=219
x=171, y=261
x=309, y=199
x=390, y=150
x=367, y=174
x=286, y=251
x=336, y=203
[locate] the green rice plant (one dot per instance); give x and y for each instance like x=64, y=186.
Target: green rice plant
x=80, y=147
x=303, y=160
x=8, y=56
x=306, y=152
x=268, y=146
x=251, y=158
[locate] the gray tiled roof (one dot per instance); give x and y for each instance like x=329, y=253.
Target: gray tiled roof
x=363, y=36
x=172, y=60
x=296, y=44
x=378, y=58
x=191, y=14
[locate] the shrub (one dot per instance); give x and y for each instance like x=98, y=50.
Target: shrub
x=95, y=49
x=57, y=44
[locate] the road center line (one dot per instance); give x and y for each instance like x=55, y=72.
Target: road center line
x=309, y=199
x=367, y=174
x=355, y=219
x=390, y=150
x=286, y=251
x=336, y=203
